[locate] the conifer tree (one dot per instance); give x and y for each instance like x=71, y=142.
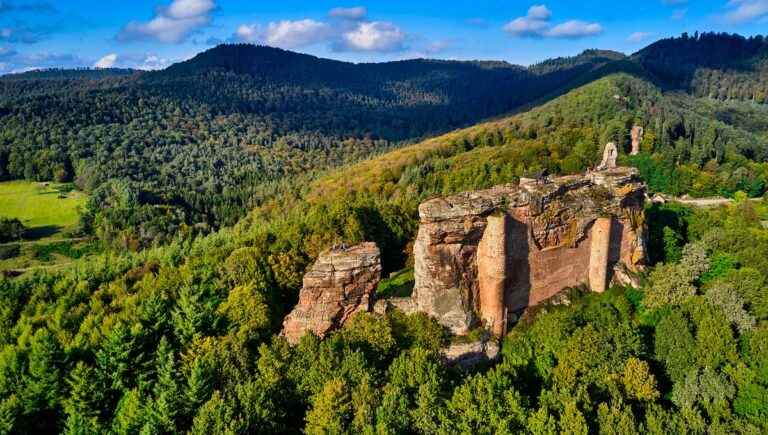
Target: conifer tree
x=43, y=380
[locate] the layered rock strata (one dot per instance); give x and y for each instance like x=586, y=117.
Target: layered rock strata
x=341, y=283
x=482, y=255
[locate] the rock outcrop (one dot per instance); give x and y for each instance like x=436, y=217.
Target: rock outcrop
x=637, y=139
x=470, y=355
x=610, y=154
x=341, y=283
x=492, y=273
x=599, y=253
x=481, y=256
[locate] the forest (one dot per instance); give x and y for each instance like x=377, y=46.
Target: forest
x=182, y=336
x=199, y=144
x=192, y=148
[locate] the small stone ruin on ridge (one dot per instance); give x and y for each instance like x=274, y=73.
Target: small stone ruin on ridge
x=483, y=257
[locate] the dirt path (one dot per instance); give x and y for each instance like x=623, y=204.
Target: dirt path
x=708, y=202
x=44, y=241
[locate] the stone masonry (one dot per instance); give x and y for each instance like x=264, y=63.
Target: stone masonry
x=532, y=240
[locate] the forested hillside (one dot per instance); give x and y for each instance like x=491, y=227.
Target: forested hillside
x=193, y=147
x=182, y=337
x=712, y=65
x=203, y=141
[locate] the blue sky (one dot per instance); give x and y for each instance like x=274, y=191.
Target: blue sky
x=151, y=34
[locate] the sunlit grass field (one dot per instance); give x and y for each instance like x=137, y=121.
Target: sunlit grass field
x=41, y=207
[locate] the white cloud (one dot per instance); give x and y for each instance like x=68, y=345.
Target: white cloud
x=285, y=34
x=351, y=33
x=356, y=13
x=152, y=61
x=171, y=24
x=248, y=33
x=430, y=49
x=639, y=36
x=575, y=29
x=107, y=61
x=534, y=24
x=15, y=62
x=296, y=34
x=539, y=12
x=537, y=24
x=742, y=11
x=525, y=26
x=379, y=36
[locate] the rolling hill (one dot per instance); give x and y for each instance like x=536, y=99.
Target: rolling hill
x=183, y=336
x=197, y=145
x=211, y=136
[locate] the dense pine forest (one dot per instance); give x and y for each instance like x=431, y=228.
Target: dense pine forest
x=205, y=140
x=182, y=337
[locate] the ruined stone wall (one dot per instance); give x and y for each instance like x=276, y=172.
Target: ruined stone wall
x=482, y=256
x=547, y=238
x=552, y=270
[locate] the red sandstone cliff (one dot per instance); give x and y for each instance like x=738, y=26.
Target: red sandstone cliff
x=341, y=283
x=545, y=241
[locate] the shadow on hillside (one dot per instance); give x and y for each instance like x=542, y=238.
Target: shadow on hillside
x=40, y=232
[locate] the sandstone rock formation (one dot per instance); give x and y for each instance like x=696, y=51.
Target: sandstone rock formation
x=341, y=283
x=469, y=355
x=610, y=154
x=544, y=234
x=492, y=273
x=637, y=138
x=598, y=255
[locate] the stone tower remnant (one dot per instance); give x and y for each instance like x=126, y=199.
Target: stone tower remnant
x=599, y=254
x=341, y=283
x=610, y=154
x=637, y=139
x=492, y=274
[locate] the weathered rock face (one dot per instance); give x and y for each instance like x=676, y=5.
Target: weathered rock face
x=469, y=355
x=637, y=139
x=492, y=273
x=599, y=254
x=610, y=154
x=341, y=283
x=531, y=240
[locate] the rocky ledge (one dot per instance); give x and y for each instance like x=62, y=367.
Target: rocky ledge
x=341, y=283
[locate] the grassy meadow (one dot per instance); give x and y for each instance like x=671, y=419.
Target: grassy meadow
x=41, y=207
x=50, y=211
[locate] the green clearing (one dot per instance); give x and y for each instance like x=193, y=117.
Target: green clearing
x=399, y=284
x=50, y=211
x=46, y=209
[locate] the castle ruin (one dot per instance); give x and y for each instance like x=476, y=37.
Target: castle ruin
x=483, y=257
